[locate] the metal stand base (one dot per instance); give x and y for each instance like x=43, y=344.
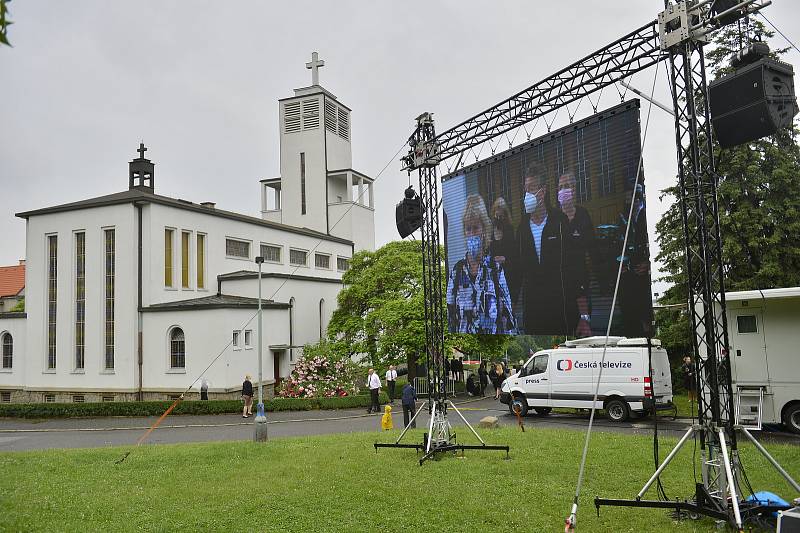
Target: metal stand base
x=729, y=507
x=440, y=437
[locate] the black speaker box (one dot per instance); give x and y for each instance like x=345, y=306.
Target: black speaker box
x=752, y=102
x=408, y=215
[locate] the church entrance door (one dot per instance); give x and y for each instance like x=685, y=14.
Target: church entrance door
x=276, y=369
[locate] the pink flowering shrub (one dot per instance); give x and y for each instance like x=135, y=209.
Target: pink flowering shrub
x=319, y=374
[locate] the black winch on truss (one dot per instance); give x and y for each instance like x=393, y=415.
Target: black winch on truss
x=678, y=37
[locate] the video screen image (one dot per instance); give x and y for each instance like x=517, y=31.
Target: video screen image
x=534, y=235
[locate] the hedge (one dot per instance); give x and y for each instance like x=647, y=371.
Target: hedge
x=188, y=407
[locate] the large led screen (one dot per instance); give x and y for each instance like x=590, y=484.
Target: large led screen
x=534, y=235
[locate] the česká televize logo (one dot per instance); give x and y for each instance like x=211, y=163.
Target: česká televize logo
x=565, y=365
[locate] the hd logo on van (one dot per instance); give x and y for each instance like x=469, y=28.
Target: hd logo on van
x=565, y=365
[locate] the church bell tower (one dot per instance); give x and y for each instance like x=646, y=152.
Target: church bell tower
x=140, y=172
x=318, y=188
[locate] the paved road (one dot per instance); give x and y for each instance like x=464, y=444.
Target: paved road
x=16, y=434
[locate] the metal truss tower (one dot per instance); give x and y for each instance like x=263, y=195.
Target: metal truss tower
x=678, y=37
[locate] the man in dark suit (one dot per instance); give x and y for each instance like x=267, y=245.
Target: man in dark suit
x=543, y=239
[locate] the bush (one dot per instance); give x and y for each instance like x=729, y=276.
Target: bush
x=188, y=407
x=321, y=373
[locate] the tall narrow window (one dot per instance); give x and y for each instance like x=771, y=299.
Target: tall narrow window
x=177, y=349
x=52, y=299
x=168, y=257
x=185, y=235
x=302, y=183
x=80, y=299
x=201, y=261
x=8, y=351
x=110, y=266
x=291, y=328
x=321, y=318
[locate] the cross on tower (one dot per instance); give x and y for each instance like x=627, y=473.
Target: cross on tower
x=314, y=65
x=141, y=150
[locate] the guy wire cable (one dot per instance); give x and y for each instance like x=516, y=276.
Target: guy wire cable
x=779, y=31
x=224, y=349
x=571, y=519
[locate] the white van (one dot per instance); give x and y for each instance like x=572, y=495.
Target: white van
x=765, y=369
x=567, y=376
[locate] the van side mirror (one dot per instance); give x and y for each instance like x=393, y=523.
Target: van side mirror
x=522, y=372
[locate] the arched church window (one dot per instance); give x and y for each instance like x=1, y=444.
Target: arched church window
x=8, y=350
x=177, y=349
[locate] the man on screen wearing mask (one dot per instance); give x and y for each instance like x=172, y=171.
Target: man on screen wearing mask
x=581, y=250
x=543, y=239
x=478, y=300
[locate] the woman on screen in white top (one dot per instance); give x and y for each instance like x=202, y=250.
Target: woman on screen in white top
x=478, y=299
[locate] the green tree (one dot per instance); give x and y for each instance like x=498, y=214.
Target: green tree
x=759, y=212
x=4, y=22
x=19, y=306
x=381, y=310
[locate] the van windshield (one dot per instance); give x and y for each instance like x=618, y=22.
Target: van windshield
x=537, y=365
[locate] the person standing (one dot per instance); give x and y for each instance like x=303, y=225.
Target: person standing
x=494, y=378
x=409, y=401
x=204, y=389
x=688, y=374
x=503, y=246
x=549, y=299
x=391, y=380
x=483, y=377
x=374, y=384
x=247, y=396
x=582, y=250
x=478, y=298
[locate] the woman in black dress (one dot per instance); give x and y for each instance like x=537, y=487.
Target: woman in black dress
x=483, y=377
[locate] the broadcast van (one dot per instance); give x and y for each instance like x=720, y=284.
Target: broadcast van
x=566, y=376
x=765, y=368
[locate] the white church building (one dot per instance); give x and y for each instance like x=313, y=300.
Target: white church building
x=132, y=295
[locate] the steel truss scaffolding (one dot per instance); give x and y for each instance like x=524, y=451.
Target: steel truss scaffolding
x=677, y=36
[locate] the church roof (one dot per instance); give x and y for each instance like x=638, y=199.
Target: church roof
x=250, y=274
x=12, y=280
x=216, y=301
x=140, y=196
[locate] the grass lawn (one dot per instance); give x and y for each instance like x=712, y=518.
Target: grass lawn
x=338, y=483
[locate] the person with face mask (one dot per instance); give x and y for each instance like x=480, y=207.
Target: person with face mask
x=478, y=299
x=503, y=244
x=548, y=292
x=581, y=251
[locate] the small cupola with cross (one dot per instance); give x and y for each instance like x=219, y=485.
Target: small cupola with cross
x=140, y=175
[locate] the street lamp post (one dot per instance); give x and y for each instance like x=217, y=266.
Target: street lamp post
x=260, y=431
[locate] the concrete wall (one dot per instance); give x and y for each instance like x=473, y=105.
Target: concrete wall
x=94, y=376
x=13, y=377
x=305, y=312
x=208, y=333
x=356, y=223
x=312, y=144
x=217, y=230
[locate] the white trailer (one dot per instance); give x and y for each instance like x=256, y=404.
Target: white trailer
x=764, y=339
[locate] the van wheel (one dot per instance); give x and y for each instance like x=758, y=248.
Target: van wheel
x=542, y=410
x=791, y=418
x=617, y=410
x=518, y=403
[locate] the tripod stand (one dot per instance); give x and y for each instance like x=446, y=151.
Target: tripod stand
x=441, y=438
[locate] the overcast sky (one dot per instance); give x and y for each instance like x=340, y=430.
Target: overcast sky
x=199, y=82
